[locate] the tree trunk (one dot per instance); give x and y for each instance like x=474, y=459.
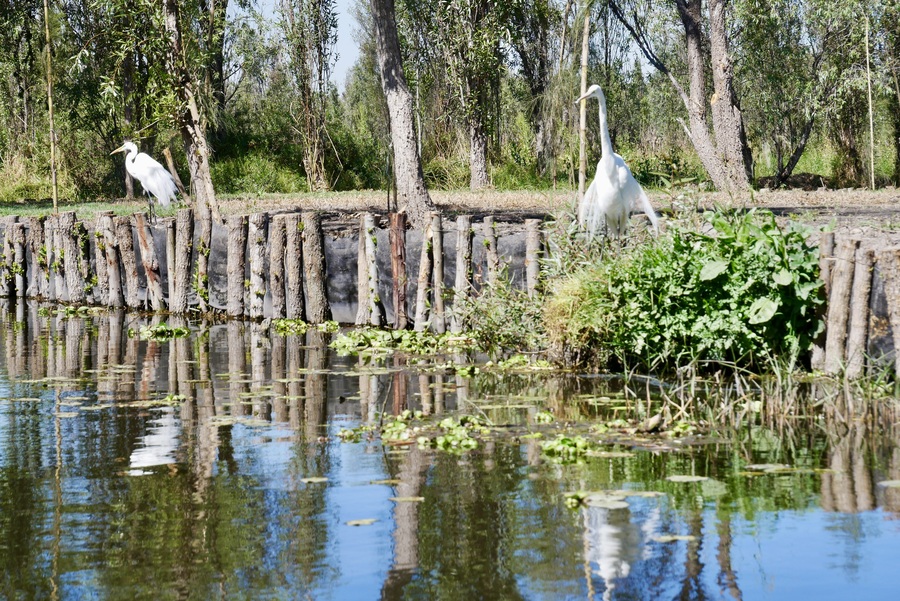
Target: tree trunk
x=410, y=182
x=478, y=175
x=582, y=109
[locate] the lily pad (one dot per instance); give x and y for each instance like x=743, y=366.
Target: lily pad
x=605, y=500
x=313, y=480
x=407, y=499
x=767, y=467
x=686, y=478
x=671, y=538
x=610, y=454
x=64, y=414
x=890, y=483
x=363, y=522
x=389, y=482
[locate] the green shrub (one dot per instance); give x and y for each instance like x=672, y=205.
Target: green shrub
x=746, y=292
x=255, y=174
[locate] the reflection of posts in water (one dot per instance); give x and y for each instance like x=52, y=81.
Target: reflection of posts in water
x=611, y=542
x=207, y=430
x=426, y=404
x=462, y=384
x=438, y=394
x=890, y=496
x=73, y=347
x=180, y=364
x=295, y=384
x=847, y=486
x=259, y=347
x=692, y=585
x=315, y=382
x=37, y=360
x=279, y=387
x=126, y=384
x=237, y=367
x=727, y=578
x=406, y=524
x=365, y=405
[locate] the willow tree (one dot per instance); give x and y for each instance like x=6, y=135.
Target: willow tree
x=310, y=30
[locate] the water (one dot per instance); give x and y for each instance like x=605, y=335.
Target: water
x=105, y=493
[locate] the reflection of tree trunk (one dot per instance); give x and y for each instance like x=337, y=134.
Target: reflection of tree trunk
x=406, y=525
x=692, y=585
x=295, y=384
x=727, y=578
x=237, y=367
x=258, y=359
x=279, y=386
x=847, y=486
x=425, y=402
x=207, y=431
x=315, y=383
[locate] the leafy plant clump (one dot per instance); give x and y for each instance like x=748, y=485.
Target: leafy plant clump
x=374, y=340
x=160, y=332
x=566, y=449
x=743, y=290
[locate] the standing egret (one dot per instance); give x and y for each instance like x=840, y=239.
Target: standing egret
x=154, y=178
x=614, y=191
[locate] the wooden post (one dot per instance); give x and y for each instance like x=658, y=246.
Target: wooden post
x=398, y=269
x=150, y=262
x=184, y=242
x=170, y=261
x=422, y=282
x=532, y=255
x=375, y=313
x=18, y=241
x=490, y=250
x=463, y=281
x=256, y=245
x=237, y=248
x=889, y=268
x=204, y=246
x=859, y=313
x=826, y=258
x=125, y=238
x=362, y=276
x=59, y=262
x=293, y=267
x=839, y=305
x=438, y=320
x=317, y=310
x=71, y=257
x=7, y=270
x=38, y=251
x=111, y=256
x=277, y=244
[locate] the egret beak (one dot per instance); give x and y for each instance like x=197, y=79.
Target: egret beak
x=583, y=97
x=119, y=149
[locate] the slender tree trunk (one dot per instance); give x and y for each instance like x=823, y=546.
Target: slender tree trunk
x=410, y=182
x=50, y=107
x=478, y=175
x=582, y=110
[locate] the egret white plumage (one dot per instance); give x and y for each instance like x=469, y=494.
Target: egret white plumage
x=614, y=192
x=154, y=178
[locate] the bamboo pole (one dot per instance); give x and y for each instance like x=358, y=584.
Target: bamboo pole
x=184, y=242
x=463, y=281
x=49, y=49
x=277, y=245
x=422, y=283
x=125, y=238
x=237, y=248
x=871, y=113
x=859, y=313
x=532, y=255
x=582, y=109
x=155, y=295
x=398, y=269
x=839, y=305
x=256, y=251
x=293, y=267
x=375, y=313
x=438, y=320
x=317, y=309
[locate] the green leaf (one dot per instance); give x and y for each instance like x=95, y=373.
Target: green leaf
x=762, y=310
x=712, y=270
x=783, y=277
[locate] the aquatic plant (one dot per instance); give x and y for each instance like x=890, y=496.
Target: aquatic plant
x=566, y=448
x=374, y=340
x=160, y=332
x=290, y=327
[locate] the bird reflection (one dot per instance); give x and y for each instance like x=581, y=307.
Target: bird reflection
x=158, y=446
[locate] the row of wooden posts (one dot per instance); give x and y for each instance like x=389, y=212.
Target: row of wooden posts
x=50, y=258
x=847, y=267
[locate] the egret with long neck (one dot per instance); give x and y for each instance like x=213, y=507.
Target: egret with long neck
x=154, y=178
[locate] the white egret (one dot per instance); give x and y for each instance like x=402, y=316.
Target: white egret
x=154, y=178
x=614, y=192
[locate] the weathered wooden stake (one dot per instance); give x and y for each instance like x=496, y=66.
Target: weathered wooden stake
x=184, y=242
x=170, y=261
x=889, y=267
x=59, y=260
x=399, y=278
x=362, y=276
x=204, y=247
x=293, y=267
x=40, y=283
x=375, y=312
x=490, y=250
x=125, y=238
x=826, y=258
x=859, y=313
x=237, y=247
x=317, y=309
x=839, y=305
x=6, y=270
x=463, y=281
x=71, y=258
x=256, y=245
x=277, y=244
x=438, y=320
x=532, y=255
x=155, y=295
x=422, y=282
x=111, y=256
x=18, y=240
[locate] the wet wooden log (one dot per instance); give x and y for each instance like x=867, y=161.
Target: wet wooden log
x=184, y=242
x=204, y=247
x=6, y=268
x=421, y=317
x=18, y=241
x=362, y=276
x=839, y=305
x=256, y=255
x=82, y=241
x=71, y=258
x=170, y=261
x=59, y=260
x=40, y=282
x=149, y=260
x=375, y=312
x=860, y=295
x=105, y=227
x=889, y=267
x=125, y=242
x=397, y=236
x=438, y=319
x=277, y=246
x=826, y=258
x=463, y=280
x=237, y=248
x=532, y=255
x=293, y=267
x=492, y=255
x=317, y=309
